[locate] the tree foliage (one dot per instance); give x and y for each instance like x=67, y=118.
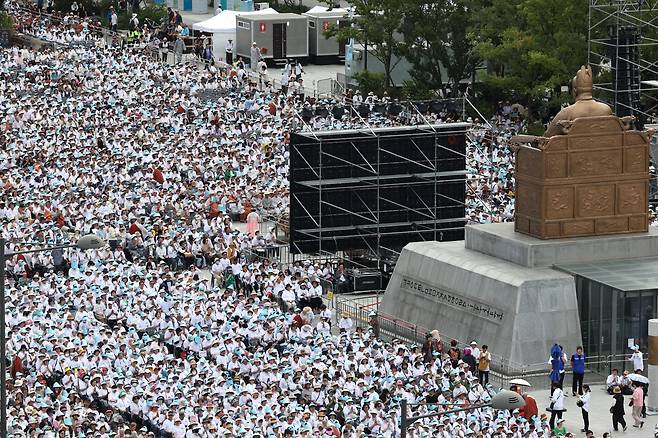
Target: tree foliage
x=530, y=46
x=377, y=23
x=436, y=36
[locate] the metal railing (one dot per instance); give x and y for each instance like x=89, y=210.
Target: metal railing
x=360, y=305
x=99, y=30
x=327, y=88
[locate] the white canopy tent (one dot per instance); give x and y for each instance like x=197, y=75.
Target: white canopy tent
x=316, y=9
x=222, y=26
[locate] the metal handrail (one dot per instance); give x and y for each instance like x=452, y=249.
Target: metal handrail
x=56, y=18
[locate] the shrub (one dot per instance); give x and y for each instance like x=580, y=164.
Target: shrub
x=155, y=13
x=370, y=81
x=414, y=90
x=6, y=22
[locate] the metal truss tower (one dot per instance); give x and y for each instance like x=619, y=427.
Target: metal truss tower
x=623, y=48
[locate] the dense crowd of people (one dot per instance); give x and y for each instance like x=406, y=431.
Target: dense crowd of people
x=134, y=339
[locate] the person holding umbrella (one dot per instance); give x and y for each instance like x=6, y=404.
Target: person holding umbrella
x=617, y=410
x=644, y=384
x=530, y=409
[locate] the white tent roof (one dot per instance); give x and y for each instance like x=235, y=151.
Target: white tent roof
x=316, y=9
x=224, y=22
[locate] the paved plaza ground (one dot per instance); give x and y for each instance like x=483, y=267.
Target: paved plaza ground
x=599, y=417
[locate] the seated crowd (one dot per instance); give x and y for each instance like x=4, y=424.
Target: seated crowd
x=137, y=339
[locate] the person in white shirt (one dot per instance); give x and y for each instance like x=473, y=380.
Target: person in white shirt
x=584, y=406
x=636, y=359
x=357, y=99
x=612, y=380
x=475, y=351
x=345, y=324
x=557, y=404
x=315, y=294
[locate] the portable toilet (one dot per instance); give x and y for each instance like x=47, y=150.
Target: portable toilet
x=279, y=36
x=319, y=46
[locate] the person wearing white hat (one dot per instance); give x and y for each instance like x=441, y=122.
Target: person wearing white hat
x=637, y=360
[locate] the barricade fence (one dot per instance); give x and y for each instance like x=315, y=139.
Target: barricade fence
x=359, y=306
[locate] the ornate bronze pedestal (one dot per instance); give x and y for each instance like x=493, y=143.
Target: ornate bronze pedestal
x=591, y=180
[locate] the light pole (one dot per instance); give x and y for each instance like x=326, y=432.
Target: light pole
x=504, y=400
x=89, y=241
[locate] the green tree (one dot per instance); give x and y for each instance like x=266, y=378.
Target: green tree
x=436, y=40
x=530, y=45
x=376, y=23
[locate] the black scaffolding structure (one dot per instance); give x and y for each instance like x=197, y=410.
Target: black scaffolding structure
x=376, y=189
x=622, y=45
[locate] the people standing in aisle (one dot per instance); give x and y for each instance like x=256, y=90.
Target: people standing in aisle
x=114, y=19
x=255, y=56
x=228, y=48
x=207, y=57
x=483, y=365
x=284, y=82
x=578, y=368
x=475, y=351
x=617, y=410
x=556, y=361
x=583, y=403
x=299, y=69
x=179, y=48
x=637, y=402
x=164, y=49
x=557, y=404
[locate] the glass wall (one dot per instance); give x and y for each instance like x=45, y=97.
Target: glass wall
x=611, y=318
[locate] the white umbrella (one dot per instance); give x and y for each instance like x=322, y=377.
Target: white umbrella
x=638, y=378
x=519, y=382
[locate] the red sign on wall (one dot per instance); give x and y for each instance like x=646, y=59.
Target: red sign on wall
x=262, y=27
x=325, y=25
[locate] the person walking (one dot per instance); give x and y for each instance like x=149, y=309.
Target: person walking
x=578, y=367
x=637, y=402
x=617, y=410
x=583, y=403
x=557, y=404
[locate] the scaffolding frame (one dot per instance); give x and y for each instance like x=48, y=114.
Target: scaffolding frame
x=607, y=22
x=372, y=233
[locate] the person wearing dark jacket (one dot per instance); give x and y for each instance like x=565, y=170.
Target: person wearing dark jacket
x=428, y=349
x=469, y=359
x=617, y=410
